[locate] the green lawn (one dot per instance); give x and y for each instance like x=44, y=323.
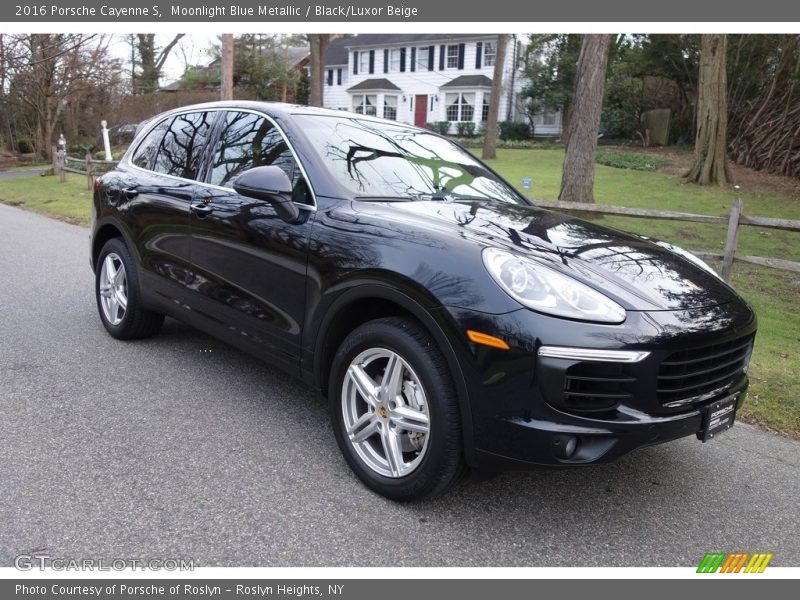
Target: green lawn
x=69, y=201
x=774, y=399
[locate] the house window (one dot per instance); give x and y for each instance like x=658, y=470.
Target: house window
x=394, y=60
x=489, y=54
x=460, y=106
x=423, y=55
x=330, y=76
x=338, y=77
x=548, y=118
x=365, y=104
x=390, y=107
x=485, y=109
x=363, y=62
x=452, y=57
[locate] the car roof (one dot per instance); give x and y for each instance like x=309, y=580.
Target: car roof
x=278, y=110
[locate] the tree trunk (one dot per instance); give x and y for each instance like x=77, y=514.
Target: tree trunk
x=226, y=68
x=711, y=141
x=577, y=179
x=319, y=44
x=490, y=135
x=151, y=60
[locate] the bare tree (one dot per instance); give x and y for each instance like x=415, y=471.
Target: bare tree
x=151, y=60
x=226, y=71
x=577, y=179
x=710, y=145
x=490, y=135
x=319, y=44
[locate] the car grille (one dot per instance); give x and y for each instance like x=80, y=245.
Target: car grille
x=596, y=386
x=698, y=374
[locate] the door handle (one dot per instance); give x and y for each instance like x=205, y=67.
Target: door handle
x=201, y=209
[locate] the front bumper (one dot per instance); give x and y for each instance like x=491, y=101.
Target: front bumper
x=522, y=416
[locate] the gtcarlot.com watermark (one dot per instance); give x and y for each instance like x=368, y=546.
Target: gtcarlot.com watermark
x=43, y=562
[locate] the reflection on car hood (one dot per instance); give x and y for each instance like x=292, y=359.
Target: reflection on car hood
x=640, y=274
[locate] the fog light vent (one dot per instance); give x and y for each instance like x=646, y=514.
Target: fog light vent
x=596, y=386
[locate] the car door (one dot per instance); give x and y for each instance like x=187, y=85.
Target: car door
x=158, y=190
x=248, y=265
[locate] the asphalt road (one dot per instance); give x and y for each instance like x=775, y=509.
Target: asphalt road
x=156, y=449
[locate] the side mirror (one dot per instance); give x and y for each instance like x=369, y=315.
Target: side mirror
x=272, y=185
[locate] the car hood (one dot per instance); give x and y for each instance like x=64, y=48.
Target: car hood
x=639, y=273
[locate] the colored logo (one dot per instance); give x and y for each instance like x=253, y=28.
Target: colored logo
x=735, y=562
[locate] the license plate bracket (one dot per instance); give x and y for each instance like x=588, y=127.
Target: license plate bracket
x=718, y=417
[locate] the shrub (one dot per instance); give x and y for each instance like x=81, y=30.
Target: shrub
x=81, y=150
x=513, y=130
x=465, y=129
x=629, y=160
x=25, y=145
x=441, y=127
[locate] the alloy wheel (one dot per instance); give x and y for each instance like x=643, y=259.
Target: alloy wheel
x=385, y=411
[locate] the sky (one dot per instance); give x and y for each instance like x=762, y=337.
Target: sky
x=193, y=49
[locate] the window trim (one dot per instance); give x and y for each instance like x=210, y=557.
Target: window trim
x=363, y=63
x=493, y=54
x=392, y=52
x=396, y=106
x=364, y=95
x=447, y=56
x=216, y=134
x=460, y=103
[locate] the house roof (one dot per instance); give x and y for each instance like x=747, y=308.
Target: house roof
x=336, y=53
x=468, y=81
x=369, y=85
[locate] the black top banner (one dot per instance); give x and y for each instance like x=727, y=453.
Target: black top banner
x=409, y=11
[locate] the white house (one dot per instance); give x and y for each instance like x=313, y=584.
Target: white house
x=424, y=78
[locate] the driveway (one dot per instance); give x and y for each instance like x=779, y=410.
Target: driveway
x=182, y=447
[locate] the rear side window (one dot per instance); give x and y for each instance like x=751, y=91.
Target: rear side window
x=148, y=148
x=182, y=146
x=249, y=140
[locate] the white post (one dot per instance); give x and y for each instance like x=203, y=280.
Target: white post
x=106, y=143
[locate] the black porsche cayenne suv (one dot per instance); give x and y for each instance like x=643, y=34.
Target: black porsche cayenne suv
x=451, y=323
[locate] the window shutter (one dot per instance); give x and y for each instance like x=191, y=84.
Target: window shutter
x=371, y=62
x=338, y=77
x=386, y=60
x=478, y=55
x=402, y=60
x=442, y=50
x=413, y=59
x=355, y=62
x=431, y=57
x=461, y=48
x=330, y=76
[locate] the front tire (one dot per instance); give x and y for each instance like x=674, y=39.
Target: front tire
x=118, y=296
x=394, y=410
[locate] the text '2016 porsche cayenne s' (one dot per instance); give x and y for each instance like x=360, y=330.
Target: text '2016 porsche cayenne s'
x=450, y=322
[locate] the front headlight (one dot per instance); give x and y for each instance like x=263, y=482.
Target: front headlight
x=546, y=290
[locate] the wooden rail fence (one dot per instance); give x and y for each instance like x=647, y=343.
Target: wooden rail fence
x=88, y=166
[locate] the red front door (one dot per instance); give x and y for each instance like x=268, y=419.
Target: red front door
x=420, y=110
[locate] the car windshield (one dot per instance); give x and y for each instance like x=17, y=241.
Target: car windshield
x=377, y=160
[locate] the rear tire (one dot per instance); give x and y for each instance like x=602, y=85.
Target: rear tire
x=118, y=295
x=394, y=410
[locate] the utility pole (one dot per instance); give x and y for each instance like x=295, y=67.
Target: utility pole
x=226, y=74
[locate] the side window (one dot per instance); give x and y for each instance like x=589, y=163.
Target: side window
x=148, y=148
x=182, y=148
x=248, y=141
